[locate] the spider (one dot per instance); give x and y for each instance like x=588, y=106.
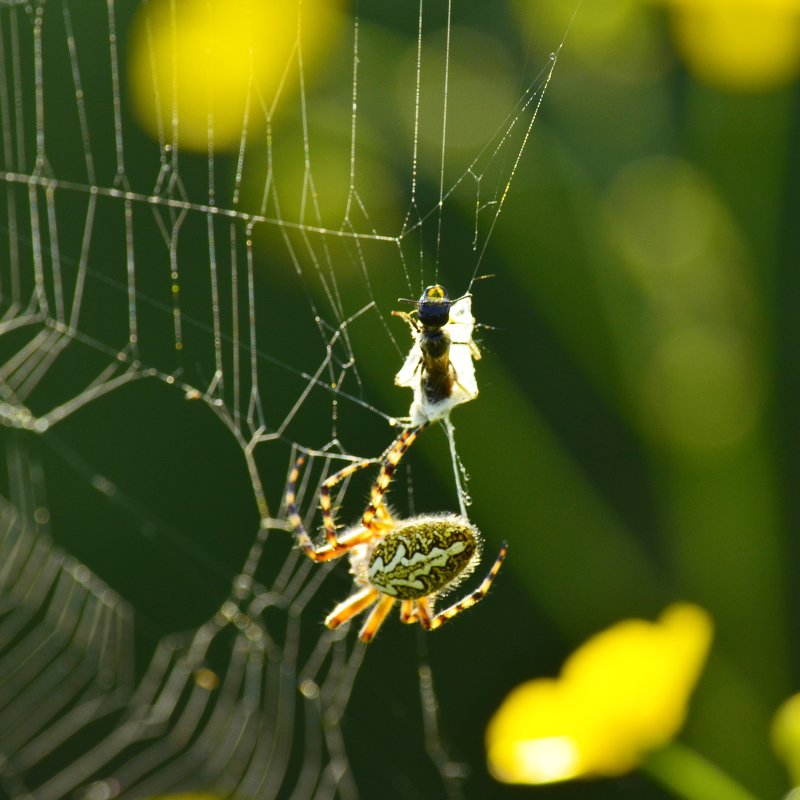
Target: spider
x=413, y=560
x=439, y=366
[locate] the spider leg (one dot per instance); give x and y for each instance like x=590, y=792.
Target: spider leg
x=335, y=547
x=352, y=606
x=375, y=618
x=408, y=612
x=431, y=622
x=390, y=462
x=328, y=522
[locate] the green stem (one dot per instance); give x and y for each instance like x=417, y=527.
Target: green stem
x=689, y=775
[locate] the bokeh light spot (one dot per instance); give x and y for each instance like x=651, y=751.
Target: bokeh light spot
x=740, y=45
x=481, y=92
x=205, y=71
x=786, y=736
x=703, y=389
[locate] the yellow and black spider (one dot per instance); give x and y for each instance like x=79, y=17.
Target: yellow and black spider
x=415, y=560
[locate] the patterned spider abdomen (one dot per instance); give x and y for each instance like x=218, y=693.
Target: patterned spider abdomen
x=423, y=555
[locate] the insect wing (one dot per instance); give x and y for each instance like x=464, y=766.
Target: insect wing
x=409, y=374
x=465, y=387
x=462, y=323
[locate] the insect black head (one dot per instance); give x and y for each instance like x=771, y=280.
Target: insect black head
x=433, y=307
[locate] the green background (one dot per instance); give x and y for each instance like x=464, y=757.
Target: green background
x=635, y=435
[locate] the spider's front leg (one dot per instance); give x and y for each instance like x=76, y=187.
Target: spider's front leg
x=390, y=462
x=334, y=547
x=328, y=522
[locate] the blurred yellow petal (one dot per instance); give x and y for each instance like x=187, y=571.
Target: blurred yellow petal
x=739, y=44
x=637, y=677
x=621, y=694
x=532, y=737
x=786, y=736
x=203, y=70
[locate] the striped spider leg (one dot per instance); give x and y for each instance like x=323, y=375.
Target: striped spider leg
x=413, y=561
x=373, y=518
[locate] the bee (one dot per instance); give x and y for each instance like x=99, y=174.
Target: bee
x=439, y=367
x=432, y=315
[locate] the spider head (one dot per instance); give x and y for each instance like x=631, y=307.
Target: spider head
x=433, y=307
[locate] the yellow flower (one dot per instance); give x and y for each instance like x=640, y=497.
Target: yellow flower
x=622, y=693
x=786, y=736
x=215, y=68
x=739, y=44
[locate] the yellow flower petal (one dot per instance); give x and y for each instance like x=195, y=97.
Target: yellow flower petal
x=622, y=693
x=532, y=737
x=786, y=735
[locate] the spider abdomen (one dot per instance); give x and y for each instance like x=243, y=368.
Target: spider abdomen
x=423, y=556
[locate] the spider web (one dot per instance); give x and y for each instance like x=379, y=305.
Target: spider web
x=175, y=328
